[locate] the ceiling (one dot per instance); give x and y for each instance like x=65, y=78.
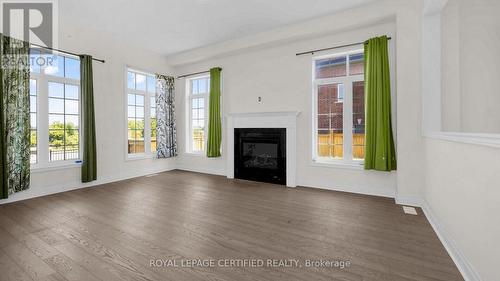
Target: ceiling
x=172, y=26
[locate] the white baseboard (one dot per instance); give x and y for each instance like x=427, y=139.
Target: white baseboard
x=458, y=257
x=463, y=265
x=217, y=172
x=364, y=191
x=358, y=190
x=414, y=201
x=47, y=190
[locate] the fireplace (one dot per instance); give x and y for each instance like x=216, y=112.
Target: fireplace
x=286, y=120
x=260, y=154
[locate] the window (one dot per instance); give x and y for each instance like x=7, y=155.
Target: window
x=54, y=108
x=197, y=90
x=339, y=110
x=64, y=108
x=152, y=120
x=141, y=112
x=340, y=92
x=33, y=119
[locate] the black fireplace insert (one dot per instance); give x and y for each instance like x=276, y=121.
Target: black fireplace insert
x=260, y=154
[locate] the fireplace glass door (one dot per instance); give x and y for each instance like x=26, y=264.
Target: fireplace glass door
x=260, y=154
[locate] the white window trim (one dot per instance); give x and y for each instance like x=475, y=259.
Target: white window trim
x=147, y=154
x=42, y=121
x=189, y=116
x=347, y=81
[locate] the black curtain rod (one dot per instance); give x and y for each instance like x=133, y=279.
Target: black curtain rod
x=64, y=52
x=332, y=48
x=191, y=74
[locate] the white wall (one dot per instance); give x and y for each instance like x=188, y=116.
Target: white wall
x=471, y=66
x=265, y=65
x=109, y=98
x=480, y=65
x=450, y=72
x=431, y=73
x=462, y=190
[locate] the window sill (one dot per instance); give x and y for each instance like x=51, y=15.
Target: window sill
x=195, y=154
x=491, y=140
x=338, y=164
x=140, y=156
x=55, y=166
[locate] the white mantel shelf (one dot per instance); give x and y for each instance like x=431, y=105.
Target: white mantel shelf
x=276, y=119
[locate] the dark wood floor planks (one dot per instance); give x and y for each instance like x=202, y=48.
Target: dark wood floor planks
x=112, y=231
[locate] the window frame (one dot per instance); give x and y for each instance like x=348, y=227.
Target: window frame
x=148, y=153
x=37, y=113
x=42, y=119
x=189, y=114
x=347, y=105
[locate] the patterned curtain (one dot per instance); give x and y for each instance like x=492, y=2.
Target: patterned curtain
x=165, y=116
x=14, y=116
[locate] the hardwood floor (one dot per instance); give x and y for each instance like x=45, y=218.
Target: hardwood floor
x=114, y=231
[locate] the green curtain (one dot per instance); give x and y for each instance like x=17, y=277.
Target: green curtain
x=14, y=116
x=379, y=144
x=214, y=115
x=89, y=165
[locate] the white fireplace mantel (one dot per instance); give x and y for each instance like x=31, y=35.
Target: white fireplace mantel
x=279, y=119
